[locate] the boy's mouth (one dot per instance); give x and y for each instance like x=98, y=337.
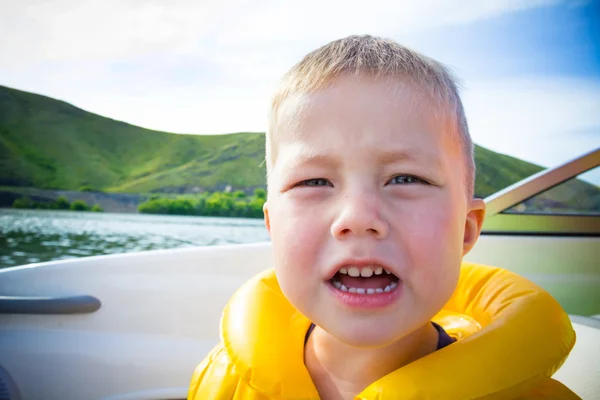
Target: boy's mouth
x=364, y=280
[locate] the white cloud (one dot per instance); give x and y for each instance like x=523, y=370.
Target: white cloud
x=318, y=21
x=38, y=30
x=546, y=120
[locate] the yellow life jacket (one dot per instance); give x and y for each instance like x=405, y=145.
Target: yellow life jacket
x=511, y=337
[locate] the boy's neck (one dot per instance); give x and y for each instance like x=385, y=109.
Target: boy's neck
x=341, y=372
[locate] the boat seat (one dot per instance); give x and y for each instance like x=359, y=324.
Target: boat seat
x=581, y=371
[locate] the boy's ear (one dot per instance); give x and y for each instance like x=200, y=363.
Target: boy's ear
x=473, y=224
x=266, y=212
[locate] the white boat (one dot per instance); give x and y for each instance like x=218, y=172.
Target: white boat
x=134, y=326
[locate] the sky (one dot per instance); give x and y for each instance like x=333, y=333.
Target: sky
x=529, y=70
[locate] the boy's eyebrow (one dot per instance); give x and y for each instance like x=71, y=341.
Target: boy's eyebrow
x=415, y=155
x=307, y=157
x=386, y=157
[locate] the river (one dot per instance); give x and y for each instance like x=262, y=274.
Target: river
x=31, y=236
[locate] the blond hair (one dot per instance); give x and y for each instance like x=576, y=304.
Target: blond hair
x=369, y=56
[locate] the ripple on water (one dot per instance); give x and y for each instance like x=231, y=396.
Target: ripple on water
x=28, y=236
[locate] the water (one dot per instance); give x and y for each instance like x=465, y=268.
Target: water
x=31, y=236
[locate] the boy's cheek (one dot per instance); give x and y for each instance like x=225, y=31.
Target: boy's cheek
x=296, y=261
x=434, y=244
x=429, y=226
x=291, y=230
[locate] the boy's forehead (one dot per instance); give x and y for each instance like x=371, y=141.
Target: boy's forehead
x=347, y=95
x=392, y=111
x=317, y=125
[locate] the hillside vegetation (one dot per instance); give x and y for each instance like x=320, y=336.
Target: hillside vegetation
x=49, y=144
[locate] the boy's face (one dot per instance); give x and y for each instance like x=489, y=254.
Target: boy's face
x=366, y=180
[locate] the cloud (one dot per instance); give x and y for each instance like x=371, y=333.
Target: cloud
x=546, y=120
x=36, y=30
x=87, y=29
x=319, y=21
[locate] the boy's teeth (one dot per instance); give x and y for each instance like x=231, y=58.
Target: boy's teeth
x=344, y=288
x=366, y=272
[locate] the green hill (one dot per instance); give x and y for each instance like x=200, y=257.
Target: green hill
x=50, y=144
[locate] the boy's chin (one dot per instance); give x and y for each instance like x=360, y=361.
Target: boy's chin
x=367, y=337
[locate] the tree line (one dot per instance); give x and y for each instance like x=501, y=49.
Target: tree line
x=216, y=204
x=61, y=203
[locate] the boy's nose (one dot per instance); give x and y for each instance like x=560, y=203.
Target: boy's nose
x=360, y=216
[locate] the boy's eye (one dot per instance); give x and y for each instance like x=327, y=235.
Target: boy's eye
x=405, y=180
x=315, y=182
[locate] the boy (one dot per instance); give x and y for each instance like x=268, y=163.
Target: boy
x=370, y=211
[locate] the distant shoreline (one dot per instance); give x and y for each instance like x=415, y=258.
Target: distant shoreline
x=218, y=204
x=110, y=202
